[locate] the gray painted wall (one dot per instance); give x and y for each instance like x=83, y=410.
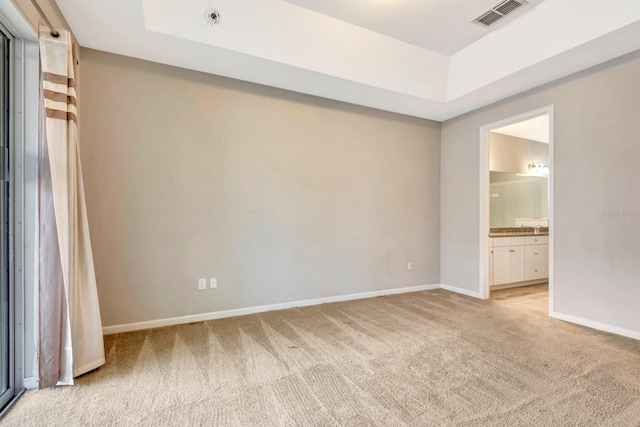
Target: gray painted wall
x=279, y=195
x=597, y=202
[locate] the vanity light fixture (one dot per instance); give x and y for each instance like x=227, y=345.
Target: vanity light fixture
x=536, y=169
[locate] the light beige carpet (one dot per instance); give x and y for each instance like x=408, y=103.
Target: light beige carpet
x=430, y=358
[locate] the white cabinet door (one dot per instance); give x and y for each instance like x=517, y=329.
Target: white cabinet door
x=501, y=265
x=517, y=263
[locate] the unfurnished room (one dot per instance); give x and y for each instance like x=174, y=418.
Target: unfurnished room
x=320, y=213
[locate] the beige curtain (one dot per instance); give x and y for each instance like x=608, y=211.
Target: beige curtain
x=70, y=329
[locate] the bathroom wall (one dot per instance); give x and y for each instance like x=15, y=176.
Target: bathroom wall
x=512, y=154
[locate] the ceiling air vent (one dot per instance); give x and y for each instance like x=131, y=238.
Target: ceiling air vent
x=498, y=11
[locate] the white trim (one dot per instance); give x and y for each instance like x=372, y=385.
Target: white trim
x=484, y=221
x=128, y=327
x=484, y=225
x=519, y=284
x=31, y=383
x=596, y=325
x=31, y=222
x=552, y=208
x=15, y=22
x=462, y=291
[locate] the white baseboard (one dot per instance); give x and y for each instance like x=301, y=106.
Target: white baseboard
x=31, y=382
x=461, y=291
x=596, y=325
x=128, y=327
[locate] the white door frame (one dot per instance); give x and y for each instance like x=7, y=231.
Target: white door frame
x=484, y=196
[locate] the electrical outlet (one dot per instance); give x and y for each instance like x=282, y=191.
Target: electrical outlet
x=213, y=283
x=202, y=284
x=409, y=266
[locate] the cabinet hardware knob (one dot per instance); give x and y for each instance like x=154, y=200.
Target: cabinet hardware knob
x=535, y=253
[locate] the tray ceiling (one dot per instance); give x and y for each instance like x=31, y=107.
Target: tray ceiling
x=281, y=44
x=443, y=26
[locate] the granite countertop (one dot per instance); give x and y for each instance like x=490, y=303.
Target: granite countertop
x=517, y=231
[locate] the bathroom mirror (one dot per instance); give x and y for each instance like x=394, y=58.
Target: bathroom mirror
x=514, y=198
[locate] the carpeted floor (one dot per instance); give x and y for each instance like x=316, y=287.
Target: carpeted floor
x=430, y=358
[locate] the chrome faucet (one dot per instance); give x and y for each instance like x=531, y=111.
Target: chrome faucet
x=537, y=230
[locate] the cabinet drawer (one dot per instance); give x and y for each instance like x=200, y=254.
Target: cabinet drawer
x=535, y=253
x=535, y=270
x=501, y=241
x=536, y=240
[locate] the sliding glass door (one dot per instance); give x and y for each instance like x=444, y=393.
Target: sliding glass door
x=7, y=389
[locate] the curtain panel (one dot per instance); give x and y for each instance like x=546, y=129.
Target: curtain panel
x=70, y=328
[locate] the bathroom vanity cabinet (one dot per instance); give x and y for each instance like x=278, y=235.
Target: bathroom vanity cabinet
x=519, y=260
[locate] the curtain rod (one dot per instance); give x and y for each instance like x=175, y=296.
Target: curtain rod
x=54, y=32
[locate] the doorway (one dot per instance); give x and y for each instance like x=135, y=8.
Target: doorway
x=522, y=246
x=12, y=132
x=6, y=290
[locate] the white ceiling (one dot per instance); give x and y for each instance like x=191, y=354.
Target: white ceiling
x=443, y=26
x=280, y=44
x=535, y=129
